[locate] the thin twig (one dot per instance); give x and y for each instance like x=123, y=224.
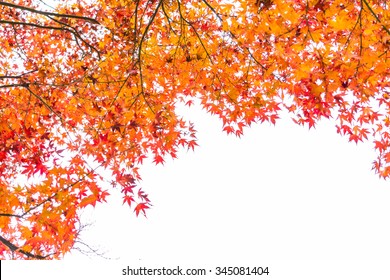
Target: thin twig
x=51, y=27
x=376, y=16
x=32, y=10
x=14, y=248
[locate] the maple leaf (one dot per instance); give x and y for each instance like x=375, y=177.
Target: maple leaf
x=380, y=146
x=228, y=129
x=141, y=207
x=89, y=200
x=355, y=138
x=128, y=199
x=191, y=144
x=93, y=95
x=142, y=195
x=128, y=189
x=158, y=159
x=103, y=195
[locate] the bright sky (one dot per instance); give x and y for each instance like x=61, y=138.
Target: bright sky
x=280, y=192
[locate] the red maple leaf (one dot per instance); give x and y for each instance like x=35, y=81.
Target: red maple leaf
x=141, y=207
x=158, y=159
x=128, y=199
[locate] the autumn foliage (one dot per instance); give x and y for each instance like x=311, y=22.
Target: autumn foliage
x=90, y=88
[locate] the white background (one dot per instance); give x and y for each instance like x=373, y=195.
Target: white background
x=279, y=193
x=304, y=203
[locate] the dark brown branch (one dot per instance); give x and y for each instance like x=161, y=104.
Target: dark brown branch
x=14, y=248
x=43, y=102
x=354, y=27
x=212, y=9
x=10, y=77
x=12, y=85
x=64, y=189
x=47, y=13
x=17, y=76
x=196, y=33
x=10, y=215
x=168, y=18
x=376, y=16
x=33, y=25
x=140, y=50
x=74, y=32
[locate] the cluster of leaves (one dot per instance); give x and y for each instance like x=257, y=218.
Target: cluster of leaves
x=92, y=86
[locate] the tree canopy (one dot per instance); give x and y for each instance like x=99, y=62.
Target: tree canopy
x=91, y=86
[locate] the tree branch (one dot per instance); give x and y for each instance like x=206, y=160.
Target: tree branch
x=10, y=215
x=47, y=13
x=14, y=248
x=32, y=24
x=16, y=76
x=74, y=32
x=12, y=85
x=212, y=9
x=376, y=16
x=140, y=50
x=196, y=32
